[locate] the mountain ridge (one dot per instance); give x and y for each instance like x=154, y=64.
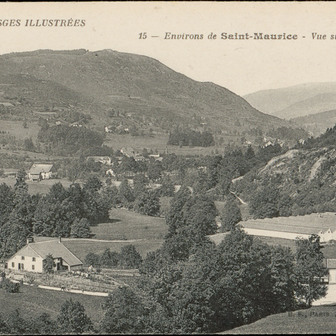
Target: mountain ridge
x=295, y=101
x=138, y=85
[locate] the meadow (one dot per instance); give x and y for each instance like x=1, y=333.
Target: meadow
x=32, y=302
x=81, y=247
x=124, y=228
x=315, y=320
x=41, y=187
x=15, y=128
x=156, y=143
x=117, y=141
x=125, y=224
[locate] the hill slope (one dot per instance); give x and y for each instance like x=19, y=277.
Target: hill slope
x=295, y=101
x=317, y=123
x=137, y=88
x=319, y=320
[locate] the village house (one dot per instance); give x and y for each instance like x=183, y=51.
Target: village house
x=30, y=258
x=109, y=129
x=156, y=157
x=110, y=172
x=40, y=171
x=102, y=159
x=128, y=151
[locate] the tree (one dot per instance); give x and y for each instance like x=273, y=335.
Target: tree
x=49, y=264
x=109, y=258
x=130, y=257
x=200, y=214
x=96, y=206
x=29, y=145
x=264, y=203
x=92, y=259
x=167, y=188
x=4, y=329
x=93, y=184
x=253, y=281
x=148, y=203
x=43, y=325
x=16, y=324
x=174, y=216
x=6, y=202
x=126, y=194
x=123, y=312
x=9, y=286
x=154, y=170
x=20, y=183
x=309, y=270
x=139, y=184
x=43, y=123
x=230, y=215
x=80, y=228
x=73, y=319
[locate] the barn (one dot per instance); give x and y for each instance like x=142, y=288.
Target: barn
x=284, y=230
x=30, y=258
x=323, y=224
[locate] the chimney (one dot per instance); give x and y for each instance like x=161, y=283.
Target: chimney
x=30, y=240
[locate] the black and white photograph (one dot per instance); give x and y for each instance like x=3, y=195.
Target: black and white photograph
x=167, y=168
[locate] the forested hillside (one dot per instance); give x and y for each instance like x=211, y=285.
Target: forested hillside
x=300, y=181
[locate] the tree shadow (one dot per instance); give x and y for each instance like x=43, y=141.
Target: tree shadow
x=114, y=220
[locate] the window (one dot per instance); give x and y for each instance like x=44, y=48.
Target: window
x=33, y=267
x=34, y=259
x=22, y=257
x=13, y=264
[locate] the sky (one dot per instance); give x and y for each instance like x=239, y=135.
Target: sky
x=242, y=66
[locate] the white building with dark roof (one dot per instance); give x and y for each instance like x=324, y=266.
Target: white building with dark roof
x=39, y=171
x=322, y=224
x=30, y=258
x=285, y=230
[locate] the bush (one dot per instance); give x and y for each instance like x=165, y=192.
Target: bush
x=10, y=287
x=130, y=257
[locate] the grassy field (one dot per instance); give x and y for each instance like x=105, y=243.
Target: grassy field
x=16, y=129
x=82, y=247
x=33, y=301
x=117, y=141
x=316, y=320
x=126, y=224
x=41, y=187
x=157, y=142
x=278, y=241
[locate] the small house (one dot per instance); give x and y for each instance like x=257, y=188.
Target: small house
x=39, y=172
x=30, y=258
x=101, y=159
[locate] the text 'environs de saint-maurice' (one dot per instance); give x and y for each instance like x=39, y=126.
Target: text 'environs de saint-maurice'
x=240, y=36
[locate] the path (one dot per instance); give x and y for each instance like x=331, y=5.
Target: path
x=104, y=240
x=238, y=198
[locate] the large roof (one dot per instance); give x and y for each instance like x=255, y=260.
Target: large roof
x=38, y=168
x=308, y=224
x=54, y=247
